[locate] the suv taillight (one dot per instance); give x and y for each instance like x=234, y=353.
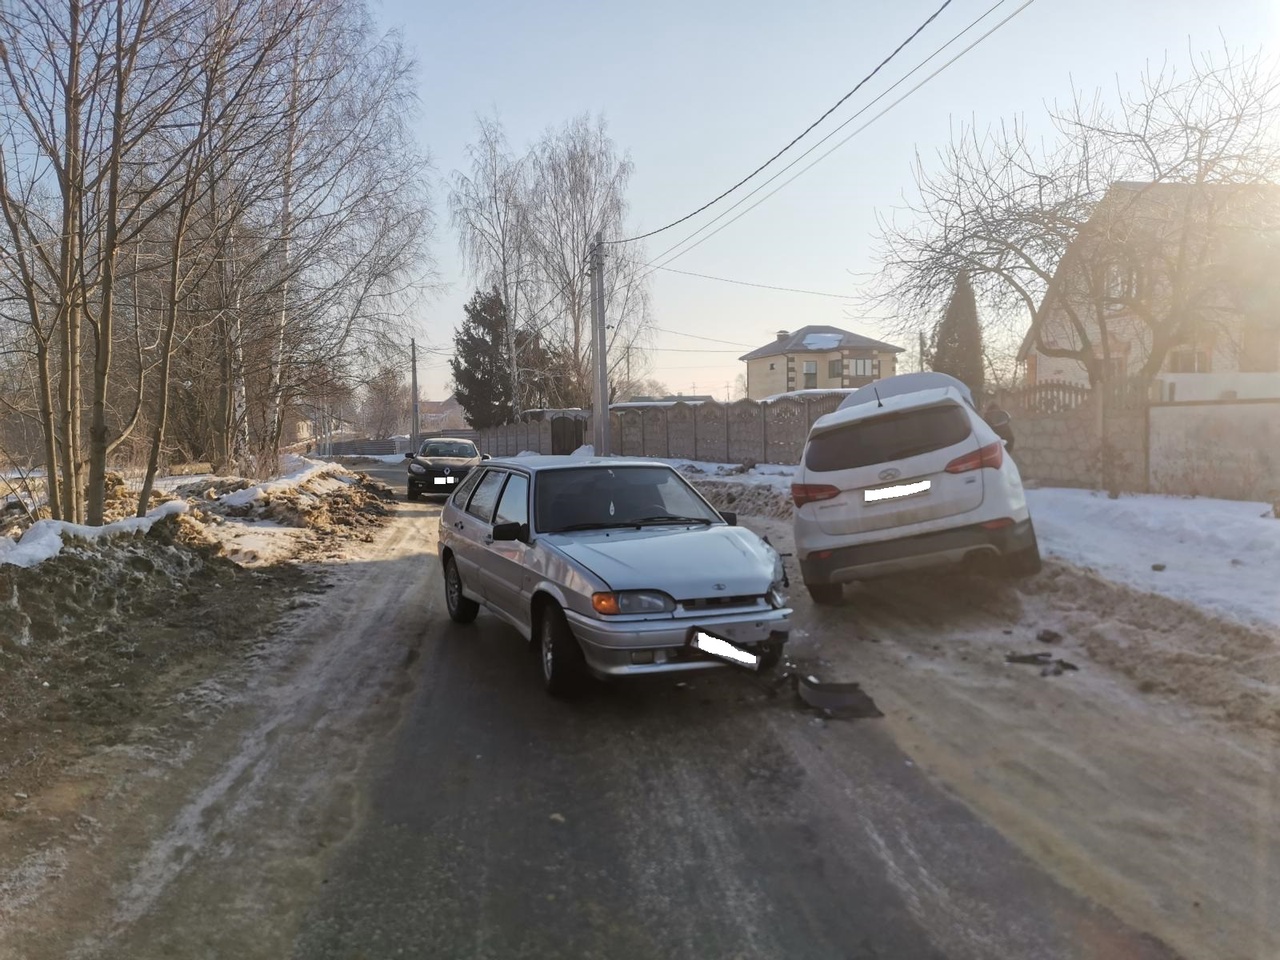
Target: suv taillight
x=802, y=493
x=992, y=455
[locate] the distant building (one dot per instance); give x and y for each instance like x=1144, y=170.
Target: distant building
x=444, y=414
x=815, y=358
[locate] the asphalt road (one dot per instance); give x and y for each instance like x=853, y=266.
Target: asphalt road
x=705, y=820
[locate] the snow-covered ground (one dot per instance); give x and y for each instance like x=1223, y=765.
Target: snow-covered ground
x=247, y=540
x=44, y=539
x=1223, y=555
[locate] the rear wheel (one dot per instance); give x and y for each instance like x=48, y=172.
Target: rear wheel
x=461, y=608
x=1024, y=562
x=564, y=668
x=825, y=594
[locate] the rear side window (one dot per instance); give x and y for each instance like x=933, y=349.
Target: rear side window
x=514, y=505
x=893, y=436
x=486, y=495
x=465, y=488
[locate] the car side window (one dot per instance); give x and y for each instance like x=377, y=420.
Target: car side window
x=486, y=495
x=514, y=505
x=464, y=489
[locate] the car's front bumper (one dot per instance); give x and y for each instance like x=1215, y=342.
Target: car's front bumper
x=425, y=484
x=612, y=648
x=940, y=548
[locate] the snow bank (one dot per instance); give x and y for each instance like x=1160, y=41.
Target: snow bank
x=297, y=470
x=586, y=450
x=45, y=537
x=1222, y=555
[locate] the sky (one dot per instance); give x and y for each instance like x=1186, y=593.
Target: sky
x=700, y=92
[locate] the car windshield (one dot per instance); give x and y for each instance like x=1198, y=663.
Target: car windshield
x=460, y=449
x=598, y=497
x=883, y=439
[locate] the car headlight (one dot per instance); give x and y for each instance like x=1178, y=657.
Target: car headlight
x=417, y=468
x=632, y=601
x=777, y=596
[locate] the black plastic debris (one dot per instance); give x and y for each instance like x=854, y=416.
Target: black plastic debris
x=836, y=701
x=1049, y=636
x=1159, y=567
x=1049, y=666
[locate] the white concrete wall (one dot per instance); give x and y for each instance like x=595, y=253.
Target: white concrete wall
x=1216, y=386
x=1216, y=449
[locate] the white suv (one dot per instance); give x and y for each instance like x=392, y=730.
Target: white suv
x=905, y=475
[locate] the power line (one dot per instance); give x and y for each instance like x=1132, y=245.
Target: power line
x=695, y=336
x=654, y=263
x=761, y=286
x=861, y=83
x=686, y=350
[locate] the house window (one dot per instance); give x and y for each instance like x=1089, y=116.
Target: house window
x=835, y=369
x=865, y=368
x=811, y=374
x=773, y=366
x=1189, y=361
x=1122, y=285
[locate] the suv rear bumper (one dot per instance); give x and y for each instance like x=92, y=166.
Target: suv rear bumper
x=883, y=557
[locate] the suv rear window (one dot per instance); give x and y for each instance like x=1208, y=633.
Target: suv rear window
x=893, y=436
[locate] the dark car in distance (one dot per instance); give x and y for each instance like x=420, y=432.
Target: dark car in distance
x=440, y=464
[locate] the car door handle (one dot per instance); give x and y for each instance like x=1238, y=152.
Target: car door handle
x=488, y=541
x=458, y=525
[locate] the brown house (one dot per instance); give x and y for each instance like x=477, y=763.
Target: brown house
x=817, y=358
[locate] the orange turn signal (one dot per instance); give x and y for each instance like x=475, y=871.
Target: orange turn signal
x=606, y=603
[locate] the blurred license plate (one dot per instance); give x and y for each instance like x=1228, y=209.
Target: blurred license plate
x=722, y=649
x=894, y=493
x=444, y=479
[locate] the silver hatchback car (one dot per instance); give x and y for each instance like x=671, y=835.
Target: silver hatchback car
x=615, y=567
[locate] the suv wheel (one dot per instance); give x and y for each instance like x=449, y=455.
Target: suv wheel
x=564, y=669
x=461, y=608
x=1025, y=562
x=825, y=594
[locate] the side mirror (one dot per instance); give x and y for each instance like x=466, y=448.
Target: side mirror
x=408, y=455
x=485, y=456
x=997, y=418
x=511, y=531
x=730, y=517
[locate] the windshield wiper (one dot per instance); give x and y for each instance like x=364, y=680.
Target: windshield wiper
x=595, y=525
x=670, y=519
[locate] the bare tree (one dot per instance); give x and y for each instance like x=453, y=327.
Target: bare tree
x=1094, y=225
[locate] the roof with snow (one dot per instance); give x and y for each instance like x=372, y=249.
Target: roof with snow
x=819, y=339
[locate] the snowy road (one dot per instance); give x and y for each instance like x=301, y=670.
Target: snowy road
x=402, y=786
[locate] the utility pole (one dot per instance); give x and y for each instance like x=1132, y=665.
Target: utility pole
x=413, y=362
x=922, y=351
x=600, y=406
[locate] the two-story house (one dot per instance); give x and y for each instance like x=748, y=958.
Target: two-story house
x=817, y=358
x=1173, y=284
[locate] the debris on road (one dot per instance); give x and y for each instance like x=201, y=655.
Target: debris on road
x=836, y=701
x=1049, y=636
x=1159, y=567
x=1049, y=666
x=557, y=818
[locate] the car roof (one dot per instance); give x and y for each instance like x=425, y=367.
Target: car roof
x=906, y=383
x=542, y=462
x=426, y=440
x=894, y=404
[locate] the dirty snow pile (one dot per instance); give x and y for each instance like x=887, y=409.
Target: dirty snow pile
x=1222, y=555
x=45, y=538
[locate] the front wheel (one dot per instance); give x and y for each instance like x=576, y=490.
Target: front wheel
x=462, y=609
x=825, y=594
x=564, y=668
